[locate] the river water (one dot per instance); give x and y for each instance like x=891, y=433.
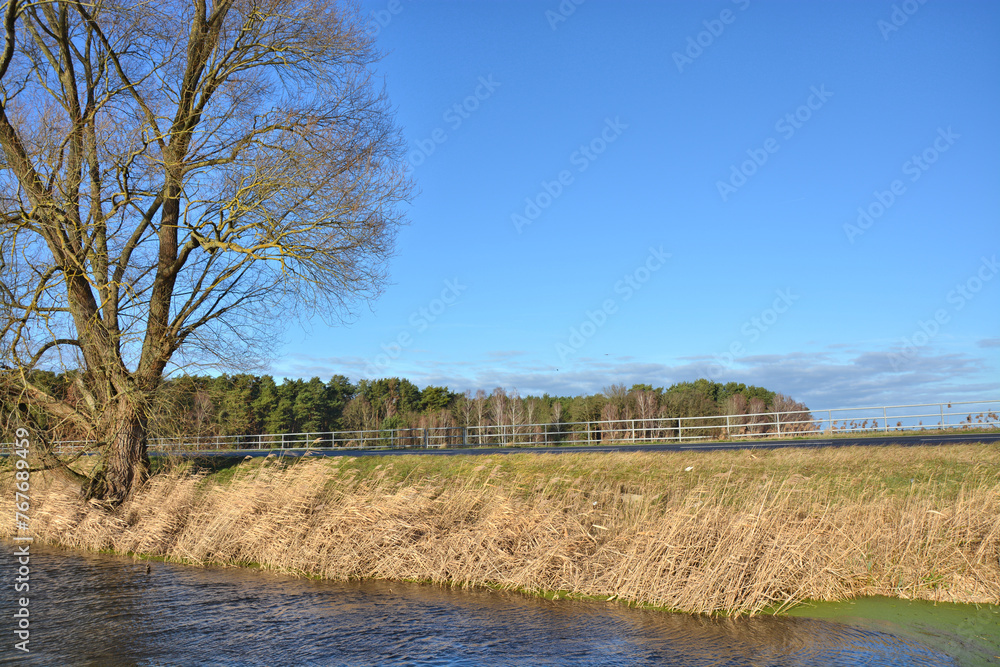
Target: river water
x=91, y=609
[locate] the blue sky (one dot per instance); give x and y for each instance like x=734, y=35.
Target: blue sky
x=799, y=195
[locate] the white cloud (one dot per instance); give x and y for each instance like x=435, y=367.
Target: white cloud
x=832, y=378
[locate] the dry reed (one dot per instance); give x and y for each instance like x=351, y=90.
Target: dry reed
x=740, y=532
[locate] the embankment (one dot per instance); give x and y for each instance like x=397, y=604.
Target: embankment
x=731, y=532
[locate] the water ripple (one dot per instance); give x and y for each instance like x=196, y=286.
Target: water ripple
x=102, y=610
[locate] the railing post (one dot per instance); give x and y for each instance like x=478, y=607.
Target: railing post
x=885, y=421
x=777, y=422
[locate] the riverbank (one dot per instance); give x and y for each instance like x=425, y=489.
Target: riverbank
x=710, y=532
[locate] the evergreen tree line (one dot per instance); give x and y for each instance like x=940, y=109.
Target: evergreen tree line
x=243, y=404
x=248, y=404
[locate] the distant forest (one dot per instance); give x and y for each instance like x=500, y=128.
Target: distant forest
x=251, y=405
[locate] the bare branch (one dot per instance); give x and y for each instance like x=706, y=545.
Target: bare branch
x=170, y=171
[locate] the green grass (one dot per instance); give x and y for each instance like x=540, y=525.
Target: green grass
x=856, y=471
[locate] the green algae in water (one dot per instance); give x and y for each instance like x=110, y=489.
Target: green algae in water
x=969, y=633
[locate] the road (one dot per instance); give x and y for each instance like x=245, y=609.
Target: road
x=906, y=440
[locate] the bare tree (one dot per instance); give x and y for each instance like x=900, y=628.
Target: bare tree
x=480, y=408
x=174, y=176
x=498, y=411
x=646, y=405
x=735, y=407
x=757, y=419
x=515, y=413
x=795, y=416
x=466, y=407
x=530, y=412
x=611, y=415
x=202, y=413
x=616, y=393
x=557, y=415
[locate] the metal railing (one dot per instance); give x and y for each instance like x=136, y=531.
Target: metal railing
x=829, y=422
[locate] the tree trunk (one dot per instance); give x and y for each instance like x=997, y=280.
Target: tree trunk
x=126, y=461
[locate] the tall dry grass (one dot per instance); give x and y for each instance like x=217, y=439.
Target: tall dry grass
x=739, y=532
